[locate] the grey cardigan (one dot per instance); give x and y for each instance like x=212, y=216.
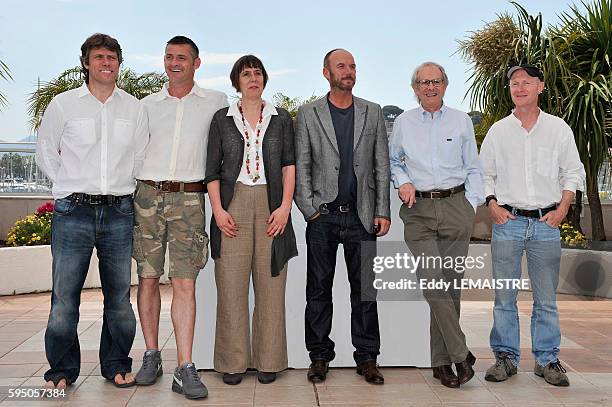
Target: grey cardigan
x=224, y=161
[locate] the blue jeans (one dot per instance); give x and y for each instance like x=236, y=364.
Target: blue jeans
x=543, y=248
x=76, y=230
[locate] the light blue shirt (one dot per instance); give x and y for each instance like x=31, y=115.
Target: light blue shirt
x=436, y=152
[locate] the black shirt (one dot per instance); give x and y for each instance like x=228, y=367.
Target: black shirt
x=344, y=125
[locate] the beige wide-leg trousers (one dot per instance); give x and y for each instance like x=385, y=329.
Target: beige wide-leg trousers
x=249, y=254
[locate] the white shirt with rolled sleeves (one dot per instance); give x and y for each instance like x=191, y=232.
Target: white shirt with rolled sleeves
x=267, y=113
x=530, y=170
x=179, y=134
x=91, y=147
x=436, y=152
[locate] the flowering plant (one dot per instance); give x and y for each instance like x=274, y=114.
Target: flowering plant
x=570, y=237
x=34, y=230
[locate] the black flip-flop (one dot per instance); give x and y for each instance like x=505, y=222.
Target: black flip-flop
x=122, y=385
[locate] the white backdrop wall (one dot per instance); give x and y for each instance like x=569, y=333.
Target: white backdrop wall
x=404, y=325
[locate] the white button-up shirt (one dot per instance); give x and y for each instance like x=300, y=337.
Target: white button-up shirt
x=178, y=131
x=268, y=111
x=91, y=147
x=436, y=152
x=529, y=170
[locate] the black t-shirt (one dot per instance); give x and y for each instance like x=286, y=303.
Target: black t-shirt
x=344, y=125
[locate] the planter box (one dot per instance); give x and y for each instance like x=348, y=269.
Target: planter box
x=27, y=269
x=583, y=272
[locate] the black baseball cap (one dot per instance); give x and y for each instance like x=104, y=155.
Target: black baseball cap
x=531, y=70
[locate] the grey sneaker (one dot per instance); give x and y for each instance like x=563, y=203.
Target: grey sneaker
x=501, y=370
x=187, y=382
x=554, y=373
x=151, y=368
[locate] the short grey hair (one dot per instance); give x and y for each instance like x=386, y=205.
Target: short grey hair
x=415, y=74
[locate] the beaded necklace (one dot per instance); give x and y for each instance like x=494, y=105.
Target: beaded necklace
x=254, y=175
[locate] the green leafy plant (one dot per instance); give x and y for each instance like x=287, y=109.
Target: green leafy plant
x=291, y=104
x=34, y=230
x=5, y=74
x=571, y=237
x=575, y=57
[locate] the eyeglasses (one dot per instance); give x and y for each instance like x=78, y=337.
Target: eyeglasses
x=426, y=82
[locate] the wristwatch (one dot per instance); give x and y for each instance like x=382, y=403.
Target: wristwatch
x=489, y=199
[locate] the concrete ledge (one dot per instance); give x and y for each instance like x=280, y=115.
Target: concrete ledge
x=583, y=272
x=27, y=269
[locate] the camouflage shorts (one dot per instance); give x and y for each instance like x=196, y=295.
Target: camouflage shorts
x=169, y=219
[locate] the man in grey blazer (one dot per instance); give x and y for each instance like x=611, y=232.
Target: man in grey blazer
x=342, y=189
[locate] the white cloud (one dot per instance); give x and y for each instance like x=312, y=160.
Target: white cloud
x=214, y=82
x=220, y=59
x=154, y=61
x=276, y=73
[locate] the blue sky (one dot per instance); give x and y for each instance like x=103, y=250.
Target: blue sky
x=42, y=38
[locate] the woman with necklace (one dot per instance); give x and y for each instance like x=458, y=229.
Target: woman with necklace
x=250, y=174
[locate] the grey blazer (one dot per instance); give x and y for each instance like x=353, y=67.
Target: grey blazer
x=318, y=160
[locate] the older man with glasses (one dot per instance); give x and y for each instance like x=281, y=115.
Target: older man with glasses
x=434, y=164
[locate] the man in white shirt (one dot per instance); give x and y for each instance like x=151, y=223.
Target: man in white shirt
x=434, y=165
x=90, y=142
x=532, y=170
x=169, y=204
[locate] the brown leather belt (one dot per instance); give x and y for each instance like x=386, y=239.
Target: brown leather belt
x=440, y=193
x=172, y=186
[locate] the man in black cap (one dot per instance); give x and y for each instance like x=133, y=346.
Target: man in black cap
x=531, y=172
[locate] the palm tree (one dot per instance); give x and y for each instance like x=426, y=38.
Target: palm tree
x=584, y=46
x=493, y=49
x=137, y=85
x=5, y=74
x=291, y=104
x=575, y=58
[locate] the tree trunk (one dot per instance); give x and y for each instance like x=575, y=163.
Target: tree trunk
x=575, y=211
x=597, y=224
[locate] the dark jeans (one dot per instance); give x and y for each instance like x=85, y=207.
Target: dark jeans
x=322, y=238
x=77, y=229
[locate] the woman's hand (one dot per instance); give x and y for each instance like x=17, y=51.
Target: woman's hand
x=226, y=223
x=278, y=220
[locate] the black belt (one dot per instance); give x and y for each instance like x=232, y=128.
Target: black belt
x=529, y=213
x=440, y=193
x=326, y=208
x=81, y=198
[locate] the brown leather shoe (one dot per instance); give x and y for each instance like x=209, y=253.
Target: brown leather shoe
x=464, y=369
x=317, y=372
x=446, y=376
x=370, y=372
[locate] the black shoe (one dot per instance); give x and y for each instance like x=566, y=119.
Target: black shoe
x=446, y=376
x=266, y=377
x=317, y=372
x=464, y=369
x=232, y=378
x=370, y=372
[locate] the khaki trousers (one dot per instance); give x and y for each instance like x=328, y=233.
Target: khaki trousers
x=440, y=228
x=242, y=257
